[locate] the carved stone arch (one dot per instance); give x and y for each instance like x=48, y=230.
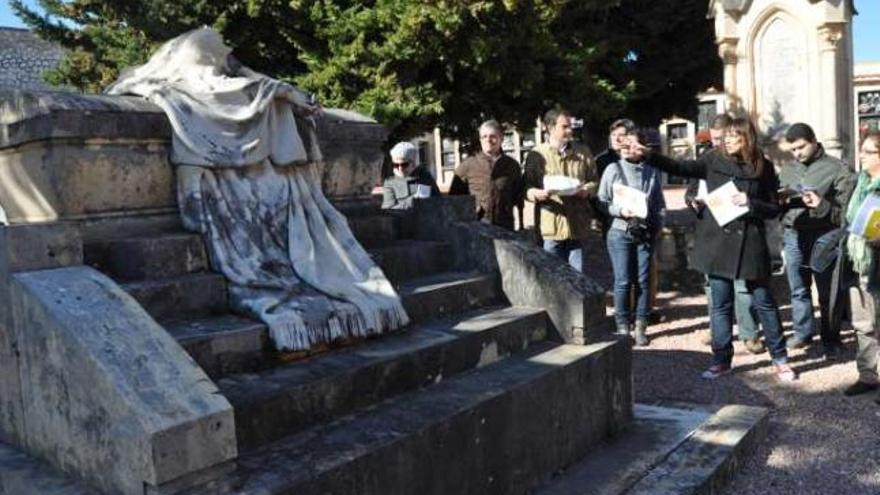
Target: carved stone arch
x=773, y=116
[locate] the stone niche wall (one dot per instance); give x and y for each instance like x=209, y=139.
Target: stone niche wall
x=24, y=57
x=65, y=156
x=788, y=61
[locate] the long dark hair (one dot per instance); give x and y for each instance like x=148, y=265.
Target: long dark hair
x=750, y=153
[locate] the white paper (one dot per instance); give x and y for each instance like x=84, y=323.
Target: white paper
x=720, y=203
x=702, y=191
x=423, y=191
x=561, y=185
x=632, y=199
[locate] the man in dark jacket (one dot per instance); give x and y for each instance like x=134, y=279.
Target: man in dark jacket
x=818, y=187
x=494, y=179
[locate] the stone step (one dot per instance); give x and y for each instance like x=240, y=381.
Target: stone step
x=681, y=450
x=21, y=474
x=409, y=259
x=225, y=344
x=148, y=258
x=191, y=296
x=500, y=429
x=297, y=395
x=375, y=230
x=449, y=293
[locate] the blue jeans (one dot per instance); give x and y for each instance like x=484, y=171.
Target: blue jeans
x=631, y=262
x=746, y=316
x=798, y=246
x=571, y=250
x=721, y=319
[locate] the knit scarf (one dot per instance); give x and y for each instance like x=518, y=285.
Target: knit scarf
x=859, y=252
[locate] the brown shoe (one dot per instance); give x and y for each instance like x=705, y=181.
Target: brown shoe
x=754, y=345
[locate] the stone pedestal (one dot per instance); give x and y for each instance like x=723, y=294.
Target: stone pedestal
x=788, y=61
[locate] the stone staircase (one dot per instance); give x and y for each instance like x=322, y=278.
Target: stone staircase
x=474, y=397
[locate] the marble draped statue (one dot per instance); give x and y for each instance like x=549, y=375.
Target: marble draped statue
x=245, y=153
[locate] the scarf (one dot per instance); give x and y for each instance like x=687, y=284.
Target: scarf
x=859, y=252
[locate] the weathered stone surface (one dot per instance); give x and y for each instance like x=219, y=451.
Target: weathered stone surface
x=286, y=399
x=707, y=460
x=108, y=394
x=26, y=247
x=73, y=156
x=373, y=231
x=226, y=344
x=668, y=451
x=75, y=179
x=408, y=259
x=447, y=294
x=498, y=430
x=532, y=277
x=190, y=296
x=148, y=258
x=21, y=474
x=529, y=275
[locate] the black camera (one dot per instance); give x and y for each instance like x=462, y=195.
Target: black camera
x=638, y=230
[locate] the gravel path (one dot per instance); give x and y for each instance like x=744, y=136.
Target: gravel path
x=819, y=441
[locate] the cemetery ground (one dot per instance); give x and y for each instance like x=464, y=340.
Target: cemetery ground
x=819, y=442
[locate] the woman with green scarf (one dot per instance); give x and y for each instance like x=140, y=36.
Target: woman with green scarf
x=863, y=254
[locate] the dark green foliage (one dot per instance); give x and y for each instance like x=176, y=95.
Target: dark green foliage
x=413, y=64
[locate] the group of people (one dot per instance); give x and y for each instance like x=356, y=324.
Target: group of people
x=814, y=195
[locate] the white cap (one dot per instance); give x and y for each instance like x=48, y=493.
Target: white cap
x=404, y=152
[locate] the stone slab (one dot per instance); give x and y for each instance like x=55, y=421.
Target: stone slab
x=500, y=429
x=289, y=398
x=225, y=344
x=148, y=258
x=21, y=474
x=195, y=295
x=448, y=293
x=667, y=451
x=410, y=259
x=106, y=392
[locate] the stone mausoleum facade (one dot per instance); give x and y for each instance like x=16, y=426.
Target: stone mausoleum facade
x=24, y=57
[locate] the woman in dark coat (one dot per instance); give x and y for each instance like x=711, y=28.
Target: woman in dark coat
x=737, y=250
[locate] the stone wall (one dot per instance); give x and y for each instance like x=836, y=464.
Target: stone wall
x=24, y=57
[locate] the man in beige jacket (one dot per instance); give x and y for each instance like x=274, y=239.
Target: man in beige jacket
x=563, y=220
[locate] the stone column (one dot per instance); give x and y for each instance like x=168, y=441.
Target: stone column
x=727, y=52
x=829, y=53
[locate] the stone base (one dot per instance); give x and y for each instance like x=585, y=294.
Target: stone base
x=668, y=451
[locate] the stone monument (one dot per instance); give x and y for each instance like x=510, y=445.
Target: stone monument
x=787, y=61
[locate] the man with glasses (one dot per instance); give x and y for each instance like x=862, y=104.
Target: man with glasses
x=408, y=181
x=818, y=187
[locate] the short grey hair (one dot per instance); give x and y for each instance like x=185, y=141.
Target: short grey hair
x=404, y=151
x=492, y=125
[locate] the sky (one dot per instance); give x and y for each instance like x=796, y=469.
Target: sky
x=866, y=29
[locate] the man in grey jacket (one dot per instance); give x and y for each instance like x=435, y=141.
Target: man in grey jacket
x=816, y=188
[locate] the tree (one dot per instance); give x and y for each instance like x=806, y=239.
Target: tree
x=413, y=64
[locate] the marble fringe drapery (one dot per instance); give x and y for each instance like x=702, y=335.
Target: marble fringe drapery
x=248, y=182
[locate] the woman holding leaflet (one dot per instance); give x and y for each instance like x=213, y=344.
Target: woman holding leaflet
x=736, y=249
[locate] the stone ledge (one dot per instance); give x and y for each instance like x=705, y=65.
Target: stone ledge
x=680, y=450
x=31, y=115
x=529, y=275
x=106, y=393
